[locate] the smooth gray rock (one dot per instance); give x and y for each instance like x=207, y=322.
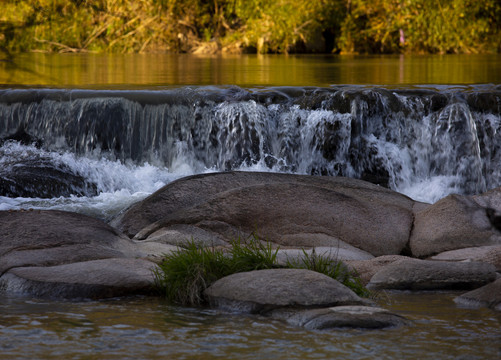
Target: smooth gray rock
x=333, y=253
x=181, y=235
x=47, y=238
x=290, y=210
x=452, y=223
x=94, y=279
x=488, y=254
x=264, y=290
x=488, y=296
x=365, y=269
x=415, y=274
x=351, y=316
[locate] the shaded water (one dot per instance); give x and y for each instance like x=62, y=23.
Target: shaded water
x=142, y=328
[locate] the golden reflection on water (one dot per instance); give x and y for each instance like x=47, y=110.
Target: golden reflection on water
x=150, y=70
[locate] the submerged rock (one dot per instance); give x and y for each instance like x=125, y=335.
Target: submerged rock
x=258, y=292
x=415, y=274
x=290, y=210
x=488, y=295
x=351, y=316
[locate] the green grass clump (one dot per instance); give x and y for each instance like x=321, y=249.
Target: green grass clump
x=184, y=274
x=333, y=268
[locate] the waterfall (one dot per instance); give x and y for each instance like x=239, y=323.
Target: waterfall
x=423, y=142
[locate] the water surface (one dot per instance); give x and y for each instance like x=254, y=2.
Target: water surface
x=150, y=329
x=150, y=70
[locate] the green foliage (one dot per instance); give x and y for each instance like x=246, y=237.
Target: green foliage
x=282, y=26
x=184, y=274
x=427, y=26
x=333, y=268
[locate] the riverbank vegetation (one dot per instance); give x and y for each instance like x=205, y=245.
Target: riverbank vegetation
x=263, y=26
x=184, y=274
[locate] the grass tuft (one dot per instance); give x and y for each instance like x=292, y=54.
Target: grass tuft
x=184, y=274
x=333, y=268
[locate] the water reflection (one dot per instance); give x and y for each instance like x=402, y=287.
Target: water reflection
x=149, y=328
x=149, y=70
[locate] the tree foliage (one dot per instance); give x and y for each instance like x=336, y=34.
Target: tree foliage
x=346, y=26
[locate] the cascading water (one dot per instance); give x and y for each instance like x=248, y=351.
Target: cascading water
x=102, y=150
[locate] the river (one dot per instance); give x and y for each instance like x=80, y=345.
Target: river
x=112, y=129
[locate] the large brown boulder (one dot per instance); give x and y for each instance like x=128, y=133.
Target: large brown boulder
x=96, y=279
x=415, y=274
x=488, y=254
x=264, y=290
x=452, y=223
x=290, y=210
x=59, y=254
x=48, y=238
x=365, y=269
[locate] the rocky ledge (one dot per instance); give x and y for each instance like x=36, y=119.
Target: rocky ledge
x=392, y=241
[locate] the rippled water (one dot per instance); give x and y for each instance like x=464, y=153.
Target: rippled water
x=149, y=328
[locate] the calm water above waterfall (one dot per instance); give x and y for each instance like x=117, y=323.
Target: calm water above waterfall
x=95, y=133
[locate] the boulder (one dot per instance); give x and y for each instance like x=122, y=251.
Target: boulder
x=415, y=274
x=488, y=295
x=96, y=279
x=181, y=234
x=365, y=269
x=35, y=175
x=264, y=290
x=48, y=238
x=351, y=316
x=334, y=253
x=487, y=254
x=290, y=210
x=454, y=222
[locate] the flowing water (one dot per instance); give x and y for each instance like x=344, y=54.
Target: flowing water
x=96, y=133
x=141, y=328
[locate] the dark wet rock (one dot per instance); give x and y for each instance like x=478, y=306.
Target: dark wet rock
x=290, y=210
x=365, y=269
x=486, y=254
x=483, y=102
x=452, y=223
x=39, y=176
x=22, y=137
x=48, y=238
x=265, y=290
x=415, y=274
x=96, y=279
x=488, y=296
x=351, y=316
